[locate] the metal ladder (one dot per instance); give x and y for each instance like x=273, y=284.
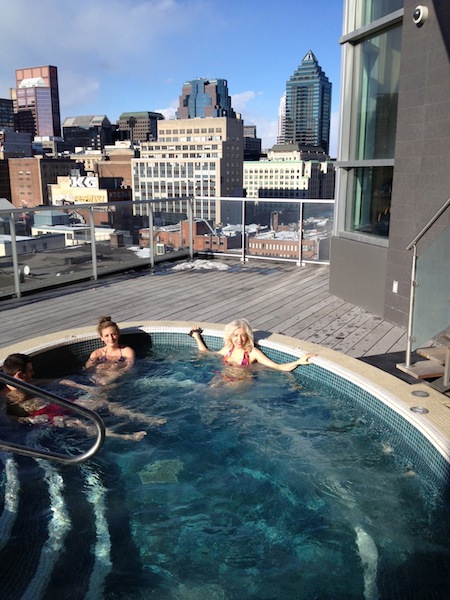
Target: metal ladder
x=74, y=408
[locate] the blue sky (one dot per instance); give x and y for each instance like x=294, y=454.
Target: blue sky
x=117, y=56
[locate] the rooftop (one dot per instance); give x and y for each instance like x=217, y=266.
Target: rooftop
x=278, y=297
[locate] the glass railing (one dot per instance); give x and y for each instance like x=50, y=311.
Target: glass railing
x=50, y=246
x=431, y=313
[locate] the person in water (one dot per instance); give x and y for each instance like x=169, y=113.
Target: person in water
x=25, y=408
x=114, y=359
x=105, y=365
x=239, y=349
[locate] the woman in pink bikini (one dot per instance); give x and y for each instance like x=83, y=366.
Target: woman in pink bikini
x=239, y=349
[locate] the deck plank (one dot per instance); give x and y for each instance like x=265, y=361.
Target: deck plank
x=283, y=298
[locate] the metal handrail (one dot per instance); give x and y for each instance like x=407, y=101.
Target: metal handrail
x=49, y=396
x=413, y=245
x=428, y=225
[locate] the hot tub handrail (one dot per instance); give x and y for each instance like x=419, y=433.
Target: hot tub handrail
x=80, y=410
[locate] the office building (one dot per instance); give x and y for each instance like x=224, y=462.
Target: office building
x=30, y=178
x=91, y=131
x=117, y=163
x=193, y=157
x=79, y=189
x=205, y=98
x=281, y=137
x=14, y=144
x=141, y=126
x=393, y=162
x=36, y=101
x=6, y=114
x=290, y=171
x=252, y=143
x=308, y=105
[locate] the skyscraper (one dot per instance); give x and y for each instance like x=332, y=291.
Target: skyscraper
x=308, y=105
x=205, y=98
x=281, y=138
x=36, y=101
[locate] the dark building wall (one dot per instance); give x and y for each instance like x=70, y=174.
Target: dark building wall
x=5, y=186
x=368, y=273
x=421, y=183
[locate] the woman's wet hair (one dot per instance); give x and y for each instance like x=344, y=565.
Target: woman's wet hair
x=105, y=322
x=239, y=324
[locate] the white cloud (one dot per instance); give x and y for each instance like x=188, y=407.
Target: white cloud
x=239, y=101
x=266, y=130
x=169, y=112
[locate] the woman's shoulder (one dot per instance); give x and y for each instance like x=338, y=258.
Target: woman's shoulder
x=127, y=351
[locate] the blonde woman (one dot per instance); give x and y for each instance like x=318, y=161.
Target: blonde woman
x=239, y=349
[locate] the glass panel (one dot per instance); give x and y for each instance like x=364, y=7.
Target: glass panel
x=274, y=230
x=432, y=295
x=376, y=73
x=370, y=191
x=367, y=11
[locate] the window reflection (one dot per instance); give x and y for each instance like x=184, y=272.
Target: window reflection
x=371, y=190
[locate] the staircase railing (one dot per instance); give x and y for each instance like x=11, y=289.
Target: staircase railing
x=413, y=246
x=73, y=408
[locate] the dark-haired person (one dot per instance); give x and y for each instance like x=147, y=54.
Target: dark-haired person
x=28, y=409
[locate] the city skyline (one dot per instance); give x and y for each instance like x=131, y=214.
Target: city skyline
x=117, y=56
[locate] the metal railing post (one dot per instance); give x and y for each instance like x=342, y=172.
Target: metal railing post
x=409, y=339
x=151, y=243
x=300, y=235
x=243, y=232
x=93, y=246
x=191, y=227
x=15, y=257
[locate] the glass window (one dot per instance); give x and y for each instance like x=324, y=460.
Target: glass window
x=376, y=73
x=370, y=191
x=367, y=11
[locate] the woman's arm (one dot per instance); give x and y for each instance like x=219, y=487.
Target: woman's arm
x=130, y=355
x=196, y=334
x=92, y=360
x=256, y=355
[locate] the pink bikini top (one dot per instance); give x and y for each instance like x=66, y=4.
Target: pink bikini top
x=245, y=361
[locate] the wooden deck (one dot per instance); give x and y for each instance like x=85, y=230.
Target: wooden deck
x=280, y=298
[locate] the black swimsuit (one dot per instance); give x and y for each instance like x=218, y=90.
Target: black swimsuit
x=104, y=358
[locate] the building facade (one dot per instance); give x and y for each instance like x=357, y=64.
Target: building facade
x=200, y=158
x=36, y=101
x=139, y=126
x=308, y=105
x=205, y=98
x=93, y=132
x=287, y=174
x=252, y=143
x=30, y=178
x=6, y=114
x=394, y=150
x=281, y=137
x=14, y=144
x=79, y=189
